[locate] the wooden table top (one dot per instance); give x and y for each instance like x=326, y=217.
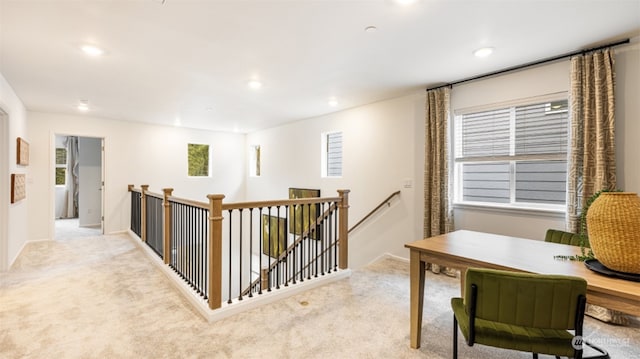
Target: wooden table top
x=519, y=254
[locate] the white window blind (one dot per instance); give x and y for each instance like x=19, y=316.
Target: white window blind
x=513, y=155
x=333, y=155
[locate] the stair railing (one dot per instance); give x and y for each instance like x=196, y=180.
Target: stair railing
x=216, y=247
x=386, y=201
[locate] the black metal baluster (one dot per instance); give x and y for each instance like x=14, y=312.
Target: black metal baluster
x=309, y=237
x=205, y=252
x=200, y=243
x=278, y=262
x=192, y=216
x=261, y=249
x=230, y=244
x=335, y=239
x=301, y=243
x=329, y=236
x=270, y=235
x=240, y=260
x=285, y=259
x=250, y=253
x=323, y=233
x=293, y=248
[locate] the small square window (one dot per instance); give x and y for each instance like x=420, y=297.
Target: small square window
x=332, y=154
x=254, y=164
x=61, y=175
x=61, y=166
x=198, y=159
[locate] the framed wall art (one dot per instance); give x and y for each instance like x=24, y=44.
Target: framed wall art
x=22, y=152
x=302, y=216
x=274, y=235
x=18, y=187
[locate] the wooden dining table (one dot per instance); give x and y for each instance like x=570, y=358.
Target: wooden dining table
x=464, y=249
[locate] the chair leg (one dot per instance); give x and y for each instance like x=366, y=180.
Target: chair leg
x=455, y=337
x=535, y=355
x=603, y=353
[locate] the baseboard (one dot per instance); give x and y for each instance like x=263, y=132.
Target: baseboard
x=13, y=261
x=237, y=306
x=276, y=294
x=388, y=255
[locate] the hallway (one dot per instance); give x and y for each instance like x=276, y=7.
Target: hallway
x=70, y=228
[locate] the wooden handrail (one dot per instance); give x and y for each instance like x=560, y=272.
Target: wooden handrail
x=386, y=201
x=283, y=202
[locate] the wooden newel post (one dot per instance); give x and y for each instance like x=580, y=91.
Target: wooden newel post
x=143, y=212
x=166, y=245
x=343, y=230
x=130, y=188
x=215, y=250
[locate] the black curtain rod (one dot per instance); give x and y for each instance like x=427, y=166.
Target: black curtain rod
x=530, y=64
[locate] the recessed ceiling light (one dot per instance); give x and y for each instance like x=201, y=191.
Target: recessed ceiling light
x=333, y=102
x=83, y=105
x=254, y=84
x=483, y=52
x=371, y=29
x=92, y=50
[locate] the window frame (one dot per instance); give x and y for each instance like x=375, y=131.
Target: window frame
x=324, y=150
x=61, y=166
x=255, y=164
x=209, y=159
x=511, y=159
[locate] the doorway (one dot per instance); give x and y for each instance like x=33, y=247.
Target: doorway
x=79, y=186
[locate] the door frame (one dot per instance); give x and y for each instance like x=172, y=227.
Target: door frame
x=52, y=188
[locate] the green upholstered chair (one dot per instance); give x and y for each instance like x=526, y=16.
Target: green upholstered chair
x=562, y=237
x=520, y=311
x=600, y=313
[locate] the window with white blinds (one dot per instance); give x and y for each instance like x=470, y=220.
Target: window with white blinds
x=332, y=154
x=515, y=155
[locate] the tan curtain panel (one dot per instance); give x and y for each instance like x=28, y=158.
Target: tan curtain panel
x=592, y=162
x=437, y=216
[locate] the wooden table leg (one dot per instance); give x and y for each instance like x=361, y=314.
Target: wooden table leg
x=416, y=273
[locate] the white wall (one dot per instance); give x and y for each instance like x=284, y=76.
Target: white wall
x=382, y=147
x=14, y=221
x=135, y=153
x=627, y=62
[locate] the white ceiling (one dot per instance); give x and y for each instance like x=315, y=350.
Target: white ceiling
x=192, y=59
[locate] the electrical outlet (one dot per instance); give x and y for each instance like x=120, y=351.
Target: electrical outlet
x=408, y=183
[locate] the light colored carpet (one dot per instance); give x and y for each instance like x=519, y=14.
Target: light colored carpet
x=100, y=297
x=70, y=228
